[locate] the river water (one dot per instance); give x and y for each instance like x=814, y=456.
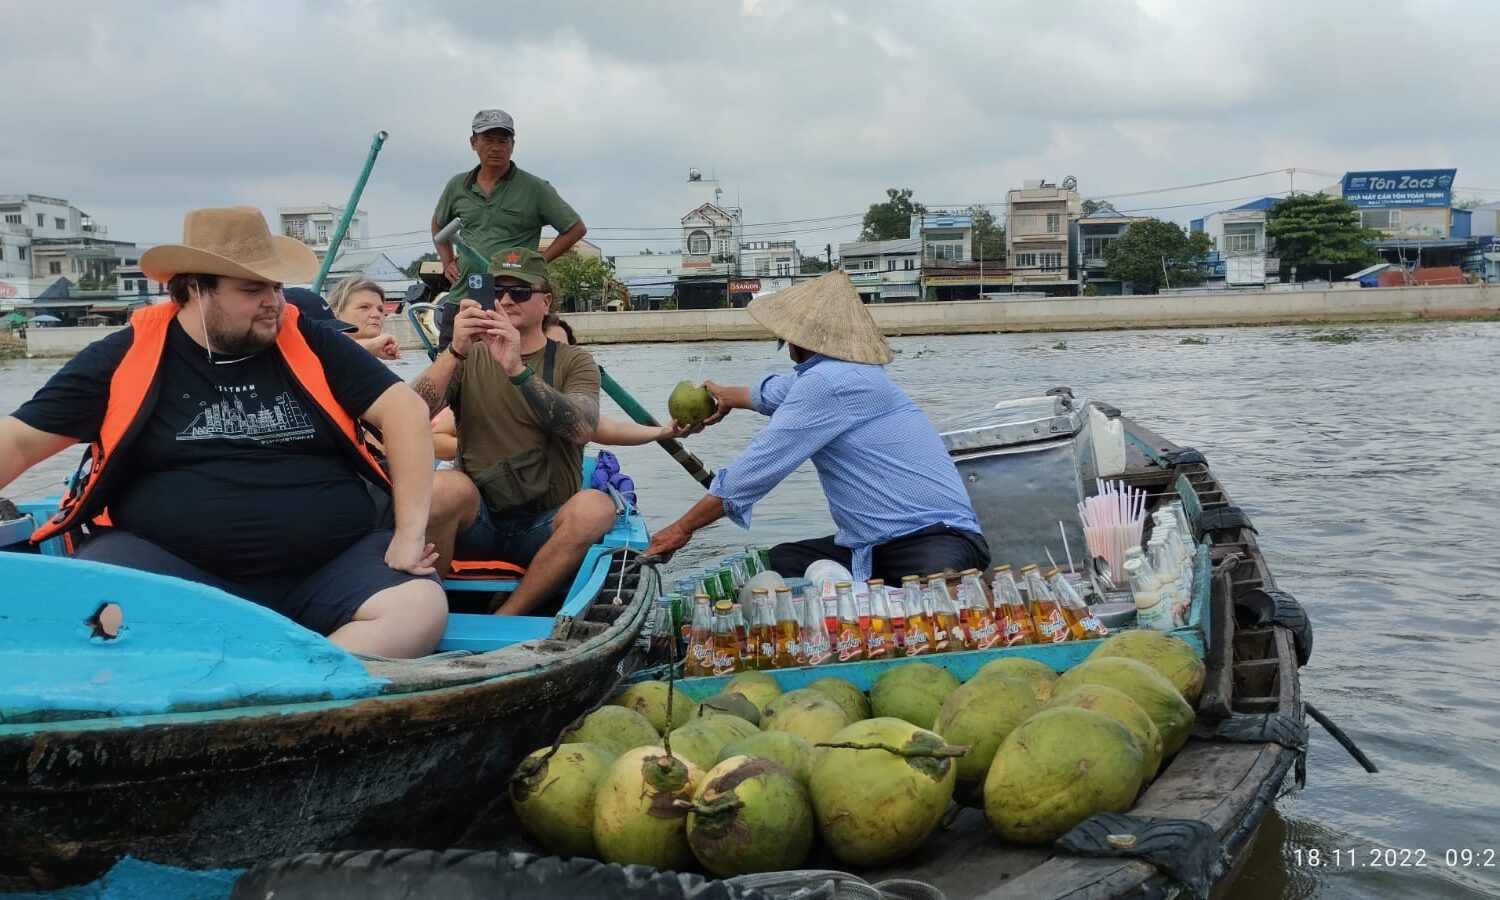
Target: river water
x=1366, y=465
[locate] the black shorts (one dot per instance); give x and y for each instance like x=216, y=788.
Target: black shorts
x=323, y=600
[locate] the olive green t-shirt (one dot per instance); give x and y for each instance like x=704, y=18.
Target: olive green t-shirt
x=495, y=422
x=511, y=216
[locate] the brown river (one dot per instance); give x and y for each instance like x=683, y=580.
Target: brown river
x=1366, y=467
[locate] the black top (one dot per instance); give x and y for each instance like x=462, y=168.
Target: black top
x=236, y=470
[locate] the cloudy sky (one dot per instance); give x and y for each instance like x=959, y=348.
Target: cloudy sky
x=137, y=111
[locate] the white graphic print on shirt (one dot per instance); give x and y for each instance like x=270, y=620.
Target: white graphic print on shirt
x=228, y=418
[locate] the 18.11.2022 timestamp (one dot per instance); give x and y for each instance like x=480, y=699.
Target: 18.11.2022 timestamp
x=1395, y=857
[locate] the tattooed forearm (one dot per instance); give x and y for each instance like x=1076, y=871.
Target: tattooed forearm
x=432, y=385
x=572, y=416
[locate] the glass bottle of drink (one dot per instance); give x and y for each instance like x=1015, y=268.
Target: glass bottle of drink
x=728, y=590
x=752, y=562
x=700, y=652
x=727, y=658
x=741, y=629
x=920, y=637
x=1011, y=613
x=762, y=628
x=817, y=645
x=708, y=583
x=1150, y=610
x=763, y=554
x=963, y=639
x=851, y=639
x=896, y=598
x=736, y=564
x=880, y=638
x=1081, y=621
x=787, y=652
x=1046, y=612
x=947, y=624
x=1169, y=577
x=829, y=601
x=978, y=611
x=862, y=591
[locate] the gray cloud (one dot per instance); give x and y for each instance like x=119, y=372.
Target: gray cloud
x=802, y=109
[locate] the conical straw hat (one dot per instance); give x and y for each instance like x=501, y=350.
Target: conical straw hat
x=824, y=315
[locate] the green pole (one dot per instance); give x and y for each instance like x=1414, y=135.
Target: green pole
x=338, y=233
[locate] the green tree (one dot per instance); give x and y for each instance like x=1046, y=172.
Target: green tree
x=1091, y=206
x=989, y=238
x=1315, y=231
x=891, y=220
x=813, y=265
x=1152, y=254
x=578, y=278
x=414, y=268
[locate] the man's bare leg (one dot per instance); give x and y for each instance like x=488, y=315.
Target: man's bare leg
x=455, y=504
x=401, y=622
x=578, y=525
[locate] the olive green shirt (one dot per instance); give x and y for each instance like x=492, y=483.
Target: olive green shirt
x=511, y=216
x=495, y=422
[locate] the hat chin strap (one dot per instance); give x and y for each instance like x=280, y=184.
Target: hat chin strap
x=203, y=320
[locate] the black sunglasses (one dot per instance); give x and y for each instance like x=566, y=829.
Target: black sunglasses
x=518, y=293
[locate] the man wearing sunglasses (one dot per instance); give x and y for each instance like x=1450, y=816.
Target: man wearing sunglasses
x=524, y=408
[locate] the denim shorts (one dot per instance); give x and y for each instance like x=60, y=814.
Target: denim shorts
x=513, y=538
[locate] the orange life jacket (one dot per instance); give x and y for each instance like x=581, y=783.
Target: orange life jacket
x=133, y=389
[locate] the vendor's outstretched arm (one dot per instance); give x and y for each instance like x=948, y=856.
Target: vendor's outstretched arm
x=674, y=537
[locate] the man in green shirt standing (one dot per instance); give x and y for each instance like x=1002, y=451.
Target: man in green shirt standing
x=500, y=204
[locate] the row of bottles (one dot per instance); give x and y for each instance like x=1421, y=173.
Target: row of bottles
x=945, y=613
x=1161, y=575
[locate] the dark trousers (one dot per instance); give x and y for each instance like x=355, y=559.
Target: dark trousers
x=936, y=548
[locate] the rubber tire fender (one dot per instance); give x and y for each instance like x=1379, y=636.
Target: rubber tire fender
x=471, y=875
x=1262, y=606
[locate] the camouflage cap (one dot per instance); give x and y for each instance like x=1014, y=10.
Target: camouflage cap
x=520, y=263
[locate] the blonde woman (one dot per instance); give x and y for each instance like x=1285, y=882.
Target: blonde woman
x=359, y=301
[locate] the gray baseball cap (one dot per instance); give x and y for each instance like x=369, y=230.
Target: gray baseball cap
x=490, y=119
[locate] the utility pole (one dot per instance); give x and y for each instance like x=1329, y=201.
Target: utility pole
x=829, y=249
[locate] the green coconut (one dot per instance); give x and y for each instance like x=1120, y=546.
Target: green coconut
x=732, y=727
x=1141, y=683
x=1170, y=656
x=726, y=704
x=636, y=816
x=1122, y=709
x=913, y=691
x=1039, y=675
x=614, y=728
x=979, y=715
x=690, y=404
x=790, y=751
x=1058, y=768
x=554, y=797
x=750, y=815
x=811, y=714
x=845, y=694
x=878, y=803
x=757, y=687
x=700, y=743
x=649, y=698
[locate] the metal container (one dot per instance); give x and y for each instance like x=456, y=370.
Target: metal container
x=1026, y=469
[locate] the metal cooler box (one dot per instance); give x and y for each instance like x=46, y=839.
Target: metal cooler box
x=1026, y=469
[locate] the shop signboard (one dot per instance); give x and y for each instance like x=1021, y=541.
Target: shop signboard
x=1408, y=187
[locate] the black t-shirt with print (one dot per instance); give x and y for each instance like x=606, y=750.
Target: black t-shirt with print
x=236, y=470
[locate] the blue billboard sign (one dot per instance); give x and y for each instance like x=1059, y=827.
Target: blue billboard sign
x=1409, y=187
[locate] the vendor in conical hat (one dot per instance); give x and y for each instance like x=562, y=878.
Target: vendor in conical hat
x=898, y=504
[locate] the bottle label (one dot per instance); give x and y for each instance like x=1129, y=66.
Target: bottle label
x=986, y=636
x=1052, y=629
x=877, y=642
x=1092, y=624
x=724, y=664
x=916, y=643
x=818, y=651
x=862, y=604
x=767, y=649
x=791, y=648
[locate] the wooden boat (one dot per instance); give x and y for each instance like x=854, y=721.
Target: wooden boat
x=212, y=733
x=1250, y=739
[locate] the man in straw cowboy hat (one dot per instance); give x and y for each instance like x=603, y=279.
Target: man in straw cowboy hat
x=226, y=448
x=897, y=501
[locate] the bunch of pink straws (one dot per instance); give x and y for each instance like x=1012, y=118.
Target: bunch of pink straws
x=1112, y=522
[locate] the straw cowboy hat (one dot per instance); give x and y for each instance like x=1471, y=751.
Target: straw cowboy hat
x=235, y=242
x=824, y=315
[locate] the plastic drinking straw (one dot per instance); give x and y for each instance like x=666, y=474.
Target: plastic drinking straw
x=1069, y=553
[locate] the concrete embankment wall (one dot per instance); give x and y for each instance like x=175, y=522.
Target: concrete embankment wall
x=1213, y=308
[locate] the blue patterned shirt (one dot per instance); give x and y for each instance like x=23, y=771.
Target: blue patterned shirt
x=882, y=465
